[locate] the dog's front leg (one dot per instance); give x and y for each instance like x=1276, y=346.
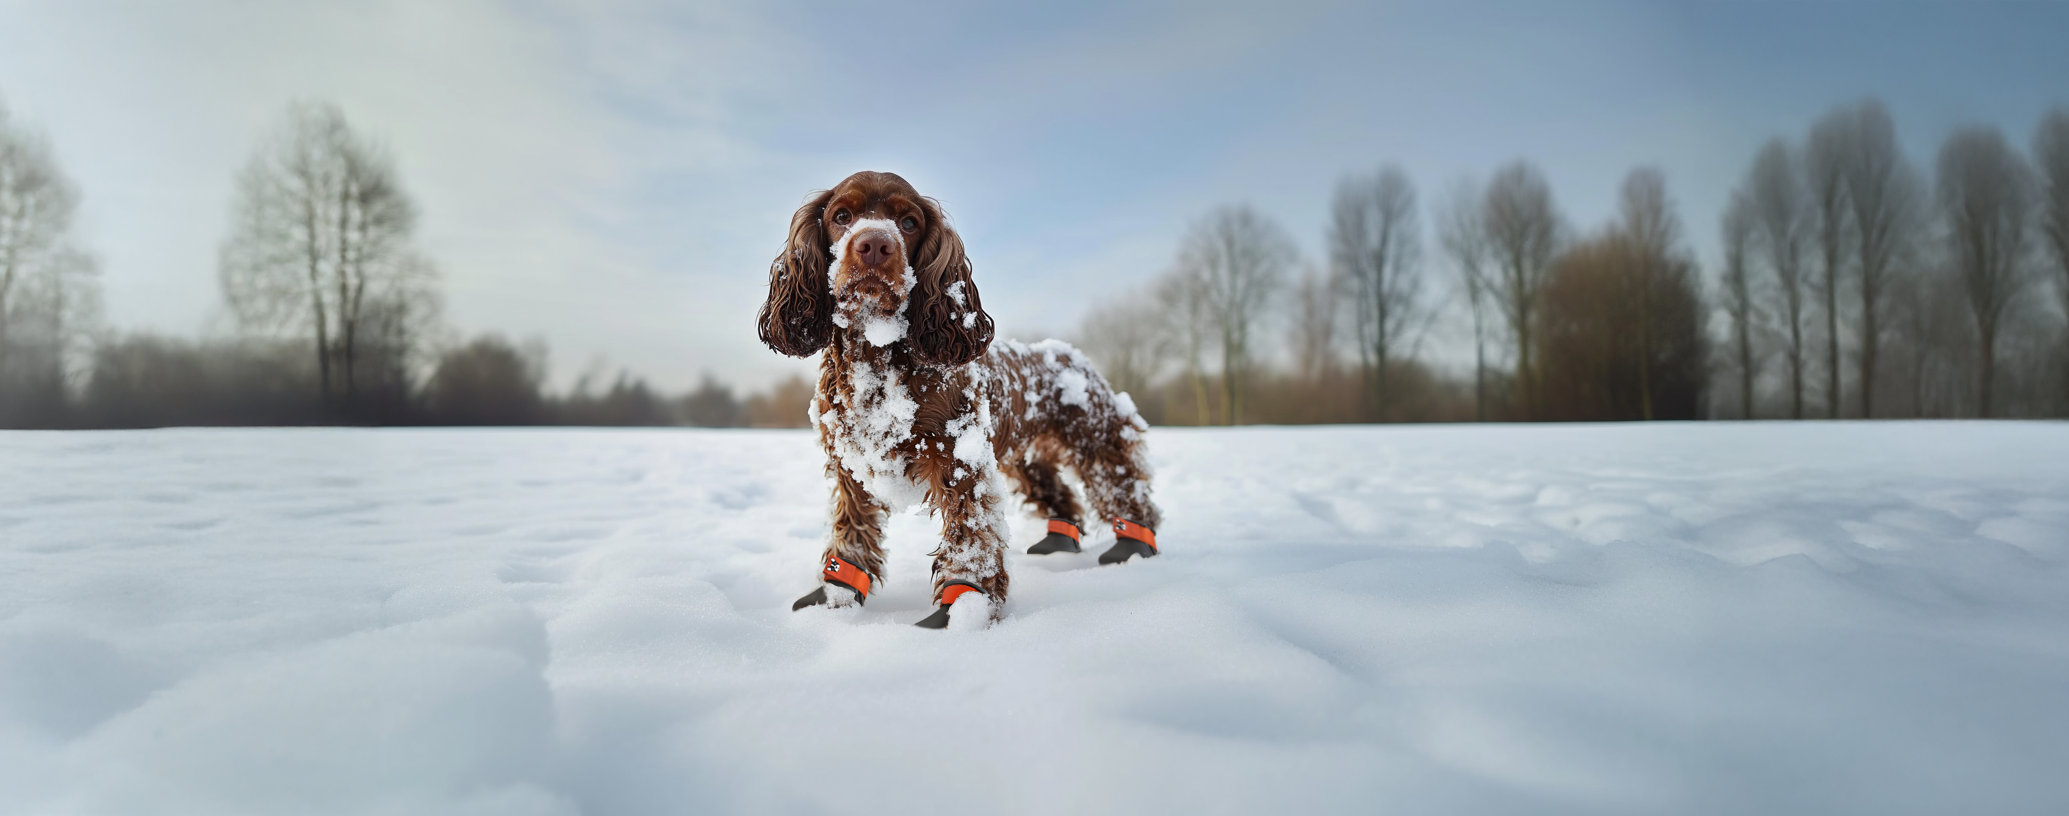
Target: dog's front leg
x=853, y=563
x=973, y=538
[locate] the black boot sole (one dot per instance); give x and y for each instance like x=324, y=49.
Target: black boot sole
x=938, y=620
x=817, y=597
x=1055, y=543
x=1125, y=547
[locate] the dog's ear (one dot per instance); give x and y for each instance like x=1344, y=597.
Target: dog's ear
x=797, y=319
x=949, y=325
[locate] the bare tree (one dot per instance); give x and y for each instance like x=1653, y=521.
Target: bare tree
x=1464, y=236
x=1825, y=160
x=2051, y=151
x=1986, y=192
x=1934, y=339
x=1781, y=230
x=391, y=345
x=48, y=296
x=1522, y=228
x=1187, y=327
x=1375, y=245
x=1131, y=351
x=1317, y=303
x=1240, y=259
x=1740, y=222
x=1654, y=233
x=1885, y=194
x=321, y=237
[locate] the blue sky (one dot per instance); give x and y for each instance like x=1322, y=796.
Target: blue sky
x=612, y=177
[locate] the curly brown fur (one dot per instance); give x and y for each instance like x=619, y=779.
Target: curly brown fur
x=1043, y=486
x=797, y=319
x=939, y=415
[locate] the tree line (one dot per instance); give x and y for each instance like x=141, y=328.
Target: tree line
x=338, y=314
x=1851, y=284
x=1854, y=286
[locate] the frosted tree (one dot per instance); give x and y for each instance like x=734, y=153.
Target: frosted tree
x=49, y=297
x=1986, y=195
x=320, y=247
x=1375, y=247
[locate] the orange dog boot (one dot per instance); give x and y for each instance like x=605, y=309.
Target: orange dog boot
x=949, y=592
x=1130, y=539
x=1063, y=537
x=841, y=574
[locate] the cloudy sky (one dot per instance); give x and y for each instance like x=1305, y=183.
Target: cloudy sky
x=613, y=177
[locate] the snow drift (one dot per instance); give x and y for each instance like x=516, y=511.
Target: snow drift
x=1800, y=617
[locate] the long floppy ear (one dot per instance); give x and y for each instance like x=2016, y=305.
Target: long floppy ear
x=949, y=325
x=797, y=319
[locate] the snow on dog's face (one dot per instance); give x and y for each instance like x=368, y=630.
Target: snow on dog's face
x=871, y=275
x=875, y=257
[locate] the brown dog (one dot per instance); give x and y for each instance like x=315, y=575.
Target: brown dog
x=917, y=405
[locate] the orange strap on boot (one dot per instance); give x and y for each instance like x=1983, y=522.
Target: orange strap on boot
x=847, y=575
x=1066, y=528
x=1124, y=528
x=953, y=591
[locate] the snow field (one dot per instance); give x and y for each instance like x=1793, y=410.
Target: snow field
x=1715, y=618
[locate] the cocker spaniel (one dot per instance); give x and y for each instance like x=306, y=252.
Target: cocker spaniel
x=916, y=404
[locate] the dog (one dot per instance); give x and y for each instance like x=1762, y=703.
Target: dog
x=916, y=405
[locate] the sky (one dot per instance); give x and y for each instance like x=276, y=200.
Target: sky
x=613, y=176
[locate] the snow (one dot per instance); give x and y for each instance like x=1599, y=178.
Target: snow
x=880, y=419
x=1072, y=382
x=1717, y=618
x=879, y=330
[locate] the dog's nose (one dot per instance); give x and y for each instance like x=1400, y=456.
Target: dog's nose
x=873, y=247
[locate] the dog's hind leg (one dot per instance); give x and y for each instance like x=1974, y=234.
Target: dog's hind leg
x=1117, y=483
x=1048, y=494
x=853, y=562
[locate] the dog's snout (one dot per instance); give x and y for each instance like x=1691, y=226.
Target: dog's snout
x=873, y=247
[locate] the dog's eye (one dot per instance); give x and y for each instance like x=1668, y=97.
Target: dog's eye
x=842, y=217
x=908, y=223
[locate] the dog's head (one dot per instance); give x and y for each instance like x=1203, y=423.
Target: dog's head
x=875, y=255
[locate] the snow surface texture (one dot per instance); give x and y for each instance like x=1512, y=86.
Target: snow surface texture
x=1772, y=618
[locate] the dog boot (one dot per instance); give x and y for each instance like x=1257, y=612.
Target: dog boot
x=1063, y=537
x=839, y=574
x=949, y=592
x=1130, y=539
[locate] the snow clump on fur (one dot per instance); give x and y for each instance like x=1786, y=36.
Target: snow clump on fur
x=878, y=330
